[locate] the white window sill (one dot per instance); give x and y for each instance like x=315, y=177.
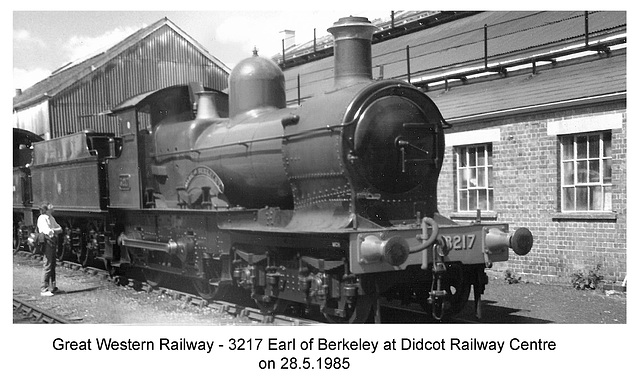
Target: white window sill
x=484, y=216
x=585, y=215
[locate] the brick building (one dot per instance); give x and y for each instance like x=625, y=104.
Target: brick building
x=537, y=101
x=535, y=170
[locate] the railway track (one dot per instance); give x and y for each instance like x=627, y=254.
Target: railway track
x=390, y=313
x=32, y=313
x=252, y=314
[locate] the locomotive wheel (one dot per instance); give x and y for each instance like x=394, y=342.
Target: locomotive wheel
x=16, y=241
x=294, y=309
x=63, y=252
x=82, y=257
x=89, y=260
x=274, y=306
x=204, y=289
x=213, y=274
x=112, y=270
x=154, y=278
x=458, y=288
x=33, y=248
x=365, y=310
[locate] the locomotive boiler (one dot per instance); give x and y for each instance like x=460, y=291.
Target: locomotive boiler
x=324, y=207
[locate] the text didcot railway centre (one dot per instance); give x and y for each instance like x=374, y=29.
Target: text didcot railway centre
x=311, y=344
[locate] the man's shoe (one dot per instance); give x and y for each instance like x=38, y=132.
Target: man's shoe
x=55, y=290
x=46, y=293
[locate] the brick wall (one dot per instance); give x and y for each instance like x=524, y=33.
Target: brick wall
x=526, y=181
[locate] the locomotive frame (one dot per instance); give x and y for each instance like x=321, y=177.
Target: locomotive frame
x=326, y=207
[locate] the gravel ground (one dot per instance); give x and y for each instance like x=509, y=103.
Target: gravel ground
x=92, y=299
x=531, y=303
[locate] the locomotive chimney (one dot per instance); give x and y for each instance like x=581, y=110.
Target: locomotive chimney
x=206, y=105
x=352, y=49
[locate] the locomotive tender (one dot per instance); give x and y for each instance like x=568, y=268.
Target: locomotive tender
x=328, y=206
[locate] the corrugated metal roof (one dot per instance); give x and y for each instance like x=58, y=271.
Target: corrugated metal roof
x=386, y=27
x=66, y=76
x=573, y=81
x=460, y=43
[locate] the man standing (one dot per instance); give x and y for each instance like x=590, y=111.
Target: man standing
x=48, y=229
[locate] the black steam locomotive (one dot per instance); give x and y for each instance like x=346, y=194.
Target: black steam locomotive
x=327, y=207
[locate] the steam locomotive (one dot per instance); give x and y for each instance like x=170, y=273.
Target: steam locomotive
x=325, y=207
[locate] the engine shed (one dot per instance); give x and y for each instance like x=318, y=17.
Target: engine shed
x=79, y=95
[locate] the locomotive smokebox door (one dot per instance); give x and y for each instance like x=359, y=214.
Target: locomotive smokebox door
x=394, y=143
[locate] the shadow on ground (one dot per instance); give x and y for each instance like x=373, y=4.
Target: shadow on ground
x=494, y=313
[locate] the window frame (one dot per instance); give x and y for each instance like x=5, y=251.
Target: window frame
x=587, y=182
x=487, y=187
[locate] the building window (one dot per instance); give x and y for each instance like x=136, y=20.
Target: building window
x=586, y=172
x=474, y=178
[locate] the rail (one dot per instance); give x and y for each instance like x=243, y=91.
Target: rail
x=35, y=313
x=252, y=314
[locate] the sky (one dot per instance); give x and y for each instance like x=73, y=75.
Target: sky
x=44, y=41
x=45, y=38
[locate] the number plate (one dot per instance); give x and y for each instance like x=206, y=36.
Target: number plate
x=461, y=241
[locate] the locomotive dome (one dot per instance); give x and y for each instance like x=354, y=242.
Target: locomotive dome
x=254, y=83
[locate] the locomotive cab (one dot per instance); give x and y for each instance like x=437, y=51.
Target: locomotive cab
x=153, y=125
